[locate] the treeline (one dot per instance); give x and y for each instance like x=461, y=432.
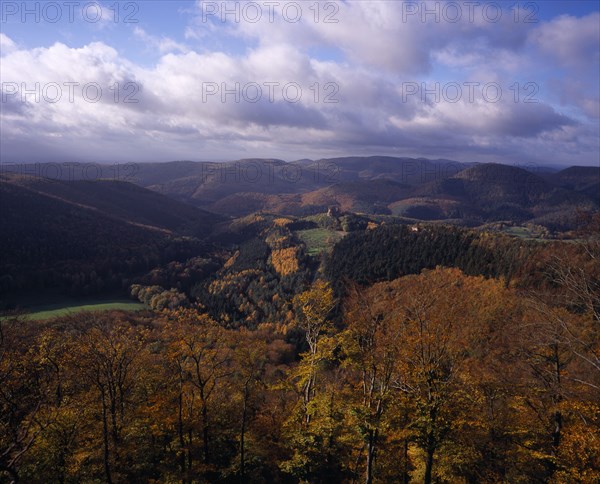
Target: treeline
x=392, y=250
x=436, y=377
x=108, y=265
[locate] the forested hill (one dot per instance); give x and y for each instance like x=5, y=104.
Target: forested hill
x=580, y=178
x=87, y=237
x=121, y=200
x=392, y=251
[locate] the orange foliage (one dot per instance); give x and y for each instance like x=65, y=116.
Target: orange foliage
x=285, y=261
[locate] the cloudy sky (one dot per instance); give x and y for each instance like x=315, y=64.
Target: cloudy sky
x=170, y=80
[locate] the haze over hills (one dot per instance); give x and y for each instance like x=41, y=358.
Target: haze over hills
x=413, y=188
x=420, y=189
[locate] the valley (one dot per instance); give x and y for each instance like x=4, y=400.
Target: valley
x=95, y=237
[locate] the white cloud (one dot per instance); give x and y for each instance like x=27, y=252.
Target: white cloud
x=173, y=120
x=571, y=41
x=163, y=44
x=6, y=45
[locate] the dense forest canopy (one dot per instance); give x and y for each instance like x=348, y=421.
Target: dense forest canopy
x=333, y=347
x=438, y=377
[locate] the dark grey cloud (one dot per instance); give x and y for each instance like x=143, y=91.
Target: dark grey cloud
x=529, y=120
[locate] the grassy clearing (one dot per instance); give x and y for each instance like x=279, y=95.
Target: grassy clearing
x=521, y=232
x=525, y=233
x=318, y=240
x=51, y=311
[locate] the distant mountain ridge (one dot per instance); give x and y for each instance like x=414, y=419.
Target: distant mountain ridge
x=417, y=188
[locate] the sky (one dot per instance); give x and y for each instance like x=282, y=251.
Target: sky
x=474, y=81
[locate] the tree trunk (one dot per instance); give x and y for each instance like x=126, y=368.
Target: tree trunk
x=205, y=433
x=243, y=434
x=61, y=466
x=106, y=437
x=405, y=472
x=429, y=462
x=556, y=435
x=310, y=384
x=557, y=430
x=189, y=452
x=180, y=433
x=370, y=456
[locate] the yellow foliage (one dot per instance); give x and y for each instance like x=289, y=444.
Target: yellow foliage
x=285, y=261
x=282, y=221
x=231, y=260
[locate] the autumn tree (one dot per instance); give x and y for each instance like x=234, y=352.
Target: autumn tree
x=315, y=422
x=249, y=361
x=413, y=340
x=200, y=351
x=108, y=354
x=371, y=347
x=313, y=309
x=26, y=390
